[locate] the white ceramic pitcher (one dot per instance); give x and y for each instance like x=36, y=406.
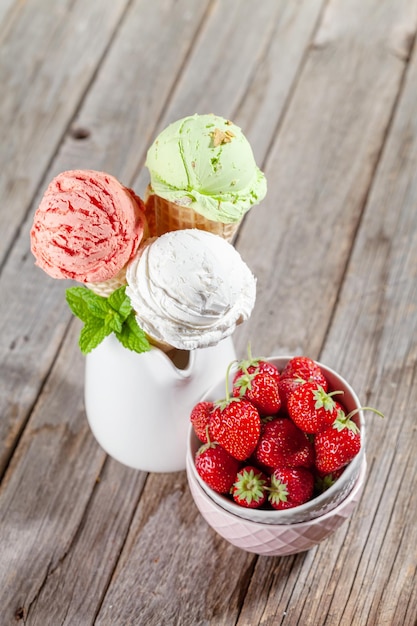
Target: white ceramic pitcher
x=138, y=405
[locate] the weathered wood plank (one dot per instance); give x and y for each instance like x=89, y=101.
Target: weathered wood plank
x=174, y=569
x=163, y=575
x=33, y=313
x=117, y=143
x=63, y=518
x=131, y=89
x=58, y=583
x=379, y=312
x=48, y=56
x=366, y=573
x=320, y=169
x=8, y=9
x=243, y=66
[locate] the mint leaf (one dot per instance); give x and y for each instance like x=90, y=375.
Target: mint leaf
x=132, y=336
x=97, y=305
x=91, y=335
x=120, y=302
x=102, y=316
x=76, y=302
x=113, y=321
x=85, y=303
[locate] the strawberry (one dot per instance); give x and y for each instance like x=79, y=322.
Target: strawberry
x=216, y=467
x=261, y=389
x=252, y=365
x=250, y=487
x=325, y=481
x=286, y=386
x=235, y=424
x=306, y=369
x=199, y=417
x=337, y=445
x=290, y=487
x=311, y=408
x=299, y=370
x=282, y=443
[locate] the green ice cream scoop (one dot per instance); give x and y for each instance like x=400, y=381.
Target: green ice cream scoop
x=206, y=163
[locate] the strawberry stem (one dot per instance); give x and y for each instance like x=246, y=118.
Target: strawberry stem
x=334, y=393
x=229, y=367
x=364, y=408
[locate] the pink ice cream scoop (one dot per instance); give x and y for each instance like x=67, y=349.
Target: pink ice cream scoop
x=87, y=226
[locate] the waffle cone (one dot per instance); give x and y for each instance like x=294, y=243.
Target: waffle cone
x=169, y=216
x=106, y=287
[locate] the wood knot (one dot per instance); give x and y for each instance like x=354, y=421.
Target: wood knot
x=79, y=133
x=20, y=614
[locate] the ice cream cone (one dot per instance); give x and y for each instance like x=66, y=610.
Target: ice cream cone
x=106, y=287
x=203, y=175
x=169, y=216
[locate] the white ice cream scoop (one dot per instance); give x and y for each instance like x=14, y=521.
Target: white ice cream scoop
x=190, y=289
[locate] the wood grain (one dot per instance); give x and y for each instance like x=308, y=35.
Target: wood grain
x=321, y=166
x=48, y=56
x=326, y=93
x=33, y=312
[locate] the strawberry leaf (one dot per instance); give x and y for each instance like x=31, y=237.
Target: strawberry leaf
x=278, y=492
x=342, y=422
x=324, y=400
x=222, y=404
x=244, y=383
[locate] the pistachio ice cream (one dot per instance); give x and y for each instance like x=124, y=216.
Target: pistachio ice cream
x=206, y=163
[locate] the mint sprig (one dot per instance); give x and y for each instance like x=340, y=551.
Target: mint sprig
x=103, y=316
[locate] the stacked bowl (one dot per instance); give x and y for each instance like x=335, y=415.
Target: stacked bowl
x=289, y=531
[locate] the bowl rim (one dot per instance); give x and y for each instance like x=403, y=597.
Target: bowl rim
x=353, y=495
x=285, y=514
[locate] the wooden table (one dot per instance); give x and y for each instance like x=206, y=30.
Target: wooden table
x=326, y=91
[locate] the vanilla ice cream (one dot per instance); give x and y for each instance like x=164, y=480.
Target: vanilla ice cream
x=190, y=289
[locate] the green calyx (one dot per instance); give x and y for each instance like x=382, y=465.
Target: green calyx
x=103, y=316
x=245, y=364
x=206, y=446
x=325, y=482
x=345, y=421
x=342, y=422
x=244, y=383
x=250, y=486
x=278, y=491
x=324, y=400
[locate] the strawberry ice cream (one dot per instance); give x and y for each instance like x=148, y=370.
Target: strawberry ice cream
x=87, y=226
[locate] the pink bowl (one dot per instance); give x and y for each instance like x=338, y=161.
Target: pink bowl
x=289, y=531
x=319, y=505
x=274, y=539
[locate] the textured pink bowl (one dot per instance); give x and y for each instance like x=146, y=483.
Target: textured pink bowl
x=272, y=532
x=318, y=506
x=274, y=539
